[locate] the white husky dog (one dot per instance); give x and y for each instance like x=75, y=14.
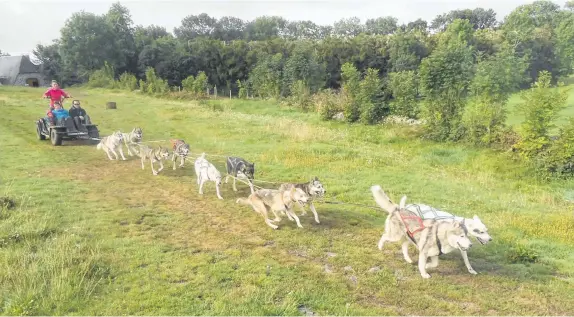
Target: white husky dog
x=111, y=143
x=205, y=171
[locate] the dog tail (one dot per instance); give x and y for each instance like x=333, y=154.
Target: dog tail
x=242, y=201
x=382, y=199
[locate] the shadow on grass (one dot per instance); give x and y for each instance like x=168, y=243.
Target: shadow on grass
x=495, y=259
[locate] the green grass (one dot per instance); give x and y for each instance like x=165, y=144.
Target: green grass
x=91, y=236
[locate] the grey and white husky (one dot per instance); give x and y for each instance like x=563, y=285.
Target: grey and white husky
x=313, y=189
x=133, y=138
x=433, y=238
x=240, y=169
x=154, y=155
x=111, y=143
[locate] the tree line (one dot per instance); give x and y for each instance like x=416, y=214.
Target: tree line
x=456, y=72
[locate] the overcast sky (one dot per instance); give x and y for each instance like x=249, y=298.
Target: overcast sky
x=25, y=23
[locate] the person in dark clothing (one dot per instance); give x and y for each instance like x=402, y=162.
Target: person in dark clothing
x=77, y=111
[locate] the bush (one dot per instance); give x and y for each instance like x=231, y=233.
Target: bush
x=188, y=83
x=328, y=103
x=300, y=96
x=128, y=82
x=541, y=106
x=103, y=78
x=370, y=97
x=404, y=88
x=153, y=84
x=242, y=89
x=483, y=120
x=521, y=253
x=559, y=158
x=200, y=85
x=351, y=86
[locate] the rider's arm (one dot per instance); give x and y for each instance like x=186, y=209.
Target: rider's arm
x=47, y=93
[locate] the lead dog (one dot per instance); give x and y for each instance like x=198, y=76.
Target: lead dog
x=265, y=200
x=313, y=189
x=240, y=168
x=205, y=171
x=436, y=236
x=111, y=143
x=474, y=225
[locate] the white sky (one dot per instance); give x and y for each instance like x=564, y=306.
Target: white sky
x=25, y=23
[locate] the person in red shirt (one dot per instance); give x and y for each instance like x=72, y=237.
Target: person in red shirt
x=55, y=93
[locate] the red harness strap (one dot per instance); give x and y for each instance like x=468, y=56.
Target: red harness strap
x=418, y=219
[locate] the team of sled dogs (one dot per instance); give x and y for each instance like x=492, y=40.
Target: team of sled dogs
x=437, y=234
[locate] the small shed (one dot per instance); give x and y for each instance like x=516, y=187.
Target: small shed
x=20, y=71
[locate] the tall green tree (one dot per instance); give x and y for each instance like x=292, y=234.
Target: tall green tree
x=87, y=41
x=445, y=77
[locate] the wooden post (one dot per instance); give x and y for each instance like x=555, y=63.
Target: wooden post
x=208, y=91
x=229, y=93
x=215, y=92
x=111, y=105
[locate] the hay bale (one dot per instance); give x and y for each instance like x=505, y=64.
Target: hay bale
x=111, y=105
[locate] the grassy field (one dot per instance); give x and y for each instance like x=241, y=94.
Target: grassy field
x=91, y=236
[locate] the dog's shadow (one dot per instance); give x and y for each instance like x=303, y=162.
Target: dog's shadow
x=493, y=260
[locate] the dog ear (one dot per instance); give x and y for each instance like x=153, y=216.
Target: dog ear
x=403, y=202
x=316, y=178
x=476, y=218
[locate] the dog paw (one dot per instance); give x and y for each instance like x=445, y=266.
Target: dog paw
x=220, y=198
x=426, y=275
x=472, y=272
x=410, y=261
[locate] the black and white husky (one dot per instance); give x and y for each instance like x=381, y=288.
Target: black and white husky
x=241, y=169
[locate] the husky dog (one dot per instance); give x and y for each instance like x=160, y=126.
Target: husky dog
x=111, y=143
x=474, y=225
x=275, y=200
x=132, y=138
x=181, y=149
x=206, y=171
x=436, y=236
x=313, y=189
x=158, y=155
x=240, y=168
